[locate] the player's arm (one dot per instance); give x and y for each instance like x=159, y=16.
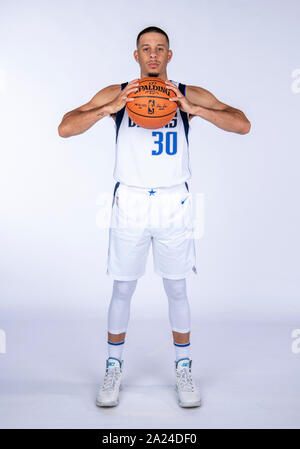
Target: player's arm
x=202, y=103
x=207, y=106
x=82, y=118
x=106, y=102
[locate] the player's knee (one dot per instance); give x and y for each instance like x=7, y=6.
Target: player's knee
x=124, y=289
x=175, y=289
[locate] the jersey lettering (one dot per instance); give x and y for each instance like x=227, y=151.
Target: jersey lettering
x=171, y=124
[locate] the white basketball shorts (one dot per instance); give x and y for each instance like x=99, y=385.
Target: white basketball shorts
x=140, y=216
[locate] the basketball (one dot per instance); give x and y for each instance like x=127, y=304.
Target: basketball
x=151, y=108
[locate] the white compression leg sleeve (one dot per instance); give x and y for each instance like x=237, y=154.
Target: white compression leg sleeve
x=119, y=308
x=179, y=310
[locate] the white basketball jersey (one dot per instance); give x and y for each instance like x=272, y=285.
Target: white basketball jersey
x=152, y=157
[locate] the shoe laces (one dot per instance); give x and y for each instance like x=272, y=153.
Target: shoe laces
x=185, y=380
x=110, y=379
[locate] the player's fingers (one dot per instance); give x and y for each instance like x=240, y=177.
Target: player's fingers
x=176, y=91
x=172, y=87
x=136, y=83
x=169, y=84
x=132, y=88
x=125, y=96
x=132, y=83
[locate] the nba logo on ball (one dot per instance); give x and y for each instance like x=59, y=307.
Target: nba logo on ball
x=151, y=104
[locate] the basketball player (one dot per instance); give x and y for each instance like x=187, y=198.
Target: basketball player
x=148, y=176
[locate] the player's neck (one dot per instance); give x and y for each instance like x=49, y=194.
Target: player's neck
x=162, y=76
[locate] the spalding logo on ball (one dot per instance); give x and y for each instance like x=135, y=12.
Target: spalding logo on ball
x=151, y=108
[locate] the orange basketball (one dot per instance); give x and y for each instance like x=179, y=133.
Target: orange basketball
x=151, y=108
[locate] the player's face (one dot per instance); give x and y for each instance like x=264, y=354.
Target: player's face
x=153, y=55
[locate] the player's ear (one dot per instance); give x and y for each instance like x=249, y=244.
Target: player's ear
x=170, y=54
x=136, y=56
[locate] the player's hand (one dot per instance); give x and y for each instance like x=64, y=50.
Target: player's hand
x=120, y=101
x=183, y=103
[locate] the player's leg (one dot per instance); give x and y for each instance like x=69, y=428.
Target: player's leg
x=179, y=316
x=174, y=258
x=118, y=318
x=180, y=320
x=129, y=242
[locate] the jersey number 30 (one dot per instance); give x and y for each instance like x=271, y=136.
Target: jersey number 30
x=170, y=143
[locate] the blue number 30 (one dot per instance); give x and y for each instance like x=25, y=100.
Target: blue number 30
x=169, y=149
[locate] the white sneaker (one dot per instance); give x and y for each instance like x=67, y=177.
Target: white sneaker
x=108, y=393
x=187, y=392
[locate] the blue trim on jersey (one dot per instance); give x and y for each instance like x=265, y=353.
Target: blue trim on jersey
x=183, y=114
x=119, y=114
x=116, y=186
x=187, y=186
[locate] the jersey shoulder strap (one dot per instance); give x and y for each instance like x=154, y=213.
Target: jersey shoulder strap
x=181, y=87
x=119, y=114
x=184, y=115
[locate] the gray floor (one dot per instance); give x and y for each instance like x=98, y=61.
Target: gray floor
x=247, y=373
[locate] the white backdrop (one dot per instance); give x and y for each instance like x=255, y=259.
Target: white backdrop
x=54, y=57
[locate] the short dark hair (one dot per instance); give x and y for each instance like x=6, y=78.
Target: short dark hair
x=149, y=30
